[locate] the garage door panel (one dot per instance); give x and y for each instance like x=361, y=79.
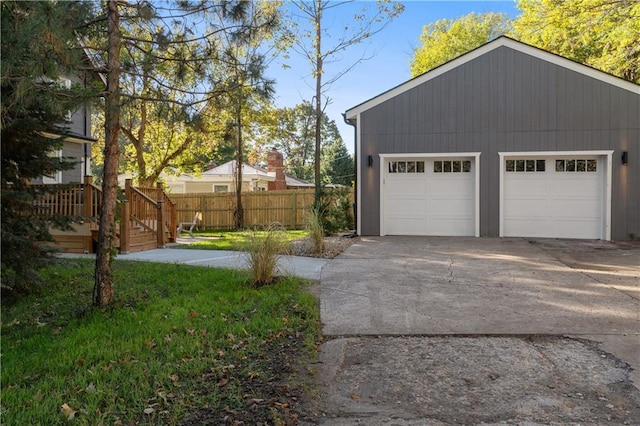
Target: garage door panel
x=574, y=208
x=553, y=203
x=450, y=206
x=526, y=208
x=450, y=226
x=429, y=203
x=518, y=185
x=407, y=226
x=404, y=206
x=405, y=186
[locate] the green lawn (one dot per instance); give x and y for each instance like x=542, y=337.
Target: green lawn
x=233, y=240
x=182, y=345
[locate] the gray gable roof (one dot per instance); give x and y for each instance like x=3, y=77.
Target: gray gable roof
x=501, y=41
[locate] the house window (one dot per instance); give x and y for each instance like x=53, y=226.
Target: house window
x=455, y=166
x=57, y=175
x=525, y=165
x=571, y=165
x=220, y=188
x=406, y=166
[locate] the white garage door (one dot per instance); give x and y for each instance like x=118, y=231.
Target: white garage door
x=429, y=196
x=557, y=197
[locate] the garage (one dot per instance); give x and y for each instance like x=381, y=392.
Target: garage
x=557, y=144
x=429, y=196
x=555, y=196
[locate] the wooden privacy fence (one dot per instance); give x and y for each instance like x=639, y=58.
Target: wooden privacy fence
x=289, y=208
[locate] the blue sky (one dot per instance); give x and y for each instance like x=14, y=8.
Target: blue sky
x=391, y=52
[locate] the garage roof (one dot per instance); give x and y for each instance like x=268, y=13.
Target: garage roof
x=501, y=41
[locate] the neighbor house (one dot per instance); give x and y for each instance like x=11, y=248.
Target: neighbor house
x=506, y=140
x=76, y=146
x=222, y=178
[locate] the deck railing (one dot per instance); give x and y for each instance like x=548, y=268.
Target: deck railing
x=170, y=216
x=143, y=208
x=75, y=200
x=148, y=209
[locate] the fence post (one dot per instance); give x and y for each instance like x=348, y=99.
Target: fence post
x=160, y=224
x=87, y=197
x=87, y=202
x=294, y=208
x=125, y=219
x=201, y=208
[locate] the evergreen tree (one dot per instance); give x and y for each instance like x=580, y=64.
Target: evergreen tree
x=38, y=40
x=337, y=163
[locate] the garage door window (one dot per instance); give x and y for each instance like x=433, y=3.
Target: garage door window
x=570, y=165
x=455, y=166
x=406, y=166
x=525, y=165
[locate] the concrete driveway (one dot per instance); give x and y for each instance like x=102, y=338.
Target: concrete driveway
x=487, y=286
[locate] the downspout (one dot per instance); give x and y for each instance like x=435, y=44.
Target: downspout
x=86, y=145
x=355, y=171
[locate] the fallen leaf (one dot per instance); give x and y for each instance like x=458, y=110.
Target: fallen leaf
x=191, y=331
x=38, y=396
x=90, y=389
x=193, y=314
x=149, y=410
x=355, y=397
x=174, y=378
x=223, y=382
x=68, y=412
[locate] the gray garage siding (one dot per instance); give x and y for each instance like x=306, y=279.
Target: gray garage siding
x=506, y=100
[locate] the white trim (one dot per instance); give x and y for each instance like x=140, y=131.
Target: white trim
x=359, y=178
x=476, y=159
x=486, y=48
x=602, y=153
x=213, y=188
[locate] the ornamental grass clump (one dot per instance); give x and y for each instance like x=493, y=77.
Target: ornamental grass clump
x=315, y=228
x=263, y=251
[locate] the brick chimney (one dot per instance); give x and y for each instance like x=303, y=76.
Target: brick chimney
x=275, y=163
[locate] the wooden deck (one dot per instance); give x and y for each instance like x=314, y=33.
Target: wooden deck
x=147, y=217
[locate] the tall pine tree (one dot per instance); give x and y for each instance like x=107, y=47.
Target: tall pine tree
x=39, y=46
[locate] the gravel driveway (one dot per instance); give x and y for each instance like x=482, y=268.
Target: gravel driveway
x=427, y=330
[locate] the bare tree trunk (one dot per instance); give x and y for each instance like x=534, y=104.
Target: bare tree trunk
x=239, y=212
x=103, y=292
x=318, y=115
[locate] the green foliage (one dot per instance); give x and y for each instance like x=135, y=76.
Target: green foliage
x=183, y=340
x=263, y=251
x=601, y=33
x=447, y=39
x=291, y=130
x=337, y=165
x=334, y=211
x=338, y=210
x=37, y=40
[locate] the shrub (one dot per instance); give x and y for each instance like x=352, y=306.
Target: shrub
x=263, y=251
x=339, y=211
x=335, y=211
